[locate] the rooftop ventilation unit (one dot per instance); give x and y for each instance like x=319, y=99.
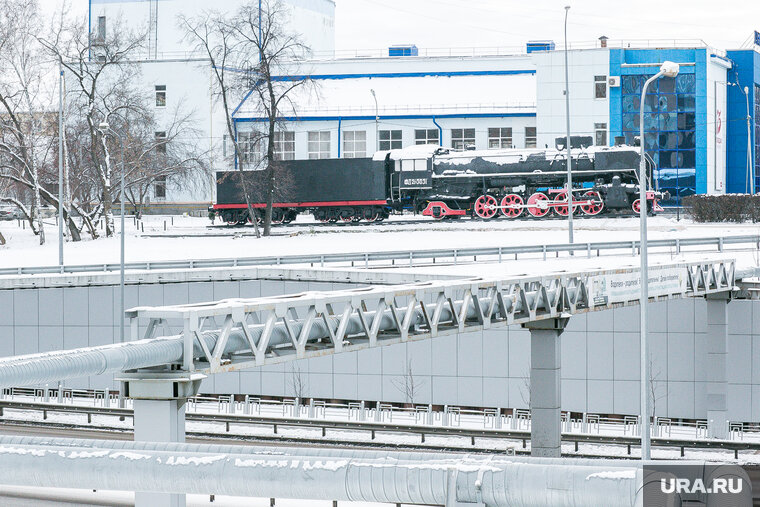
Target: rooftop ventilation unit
x=403, y=50
x=540, y=45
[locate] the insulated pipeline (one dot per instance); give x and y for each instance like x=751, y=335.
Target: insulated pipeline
x=345, y=478
x=38, y=369
x=287, y=451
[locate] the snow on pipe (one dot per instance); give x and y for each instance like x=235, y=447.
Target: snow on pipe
x=315, y=452
x=320, y=478
x=37, y=369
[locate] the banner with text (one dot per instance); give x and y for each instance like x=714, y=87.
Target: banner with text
x=626, y=286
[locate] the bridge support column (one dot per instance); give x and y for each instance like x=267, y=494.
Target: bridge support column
x=717, y=338
x=159, y=416
x=545, y=386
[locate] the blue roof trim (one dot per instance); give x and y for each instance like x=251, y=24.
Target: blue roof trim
x=389, y=117
x=407, y=74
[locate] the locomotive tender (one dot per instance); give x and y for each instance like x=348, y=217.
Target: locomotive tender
x=442, y=183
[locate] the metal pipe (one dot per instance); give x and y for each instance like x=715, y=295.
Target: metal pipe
x=319, y=478
x=285, y=451
x=36, y=369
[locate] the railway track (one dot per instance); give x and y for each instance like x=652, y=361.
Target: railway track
x=227, y=423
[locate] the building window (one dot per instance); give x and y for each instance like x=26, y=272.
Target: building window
x=354, y=144
x=600, y=87
x=284, y=145
x=160, y=95
x=160, y=142
x=159, y=187
x=426, y=136
x=250, y=153
x=500, y=137
x=461, y=139
x=600, y=134
x=669, y=129
x=319, y=144
x=530, y=137
x=390, y=140
x=101, y=28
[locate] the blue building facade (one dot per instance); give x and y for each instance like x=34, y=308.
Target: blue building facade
x=675, y=115
x=745, y=72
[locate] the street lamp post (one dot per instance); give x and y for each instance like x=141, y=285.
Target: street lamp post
x=668, y=69
x=567, y=142
x=105, y=128
x=377, y=122
x=60, y=166
x=750, y=170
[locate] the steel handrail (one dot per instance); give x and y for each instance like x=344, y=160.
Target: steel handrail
x=409, y=256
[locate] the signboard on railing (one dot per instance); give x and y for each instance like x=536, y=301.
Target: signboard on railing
x=626, y=286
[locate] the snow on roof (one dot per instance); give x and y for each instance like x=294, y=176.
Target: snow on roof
x=510, y=93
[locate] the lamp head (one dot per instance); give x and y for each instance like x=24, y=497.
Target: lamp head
x=669, y=69
x=103, y=126
x=372, y=91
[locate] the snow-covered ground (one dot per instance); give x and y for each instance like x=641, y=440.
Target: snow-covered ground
x=193, y=238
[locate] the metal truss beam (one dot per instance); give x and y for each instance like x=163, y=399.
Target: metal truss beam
x=247, y=333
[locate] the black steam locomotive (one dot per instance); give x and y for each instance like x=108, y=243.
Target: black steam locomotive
x=443, y=183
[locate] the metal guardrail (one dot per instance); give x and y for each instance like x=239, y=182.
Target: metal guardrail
x=401, y=257
x=422, y=430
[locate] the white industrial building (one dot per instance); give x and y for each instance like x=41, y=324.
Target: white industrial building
x=458, y=99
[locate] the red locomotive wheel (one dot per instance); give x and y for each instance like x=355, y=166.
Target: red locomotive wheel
x=592, y=208
x=636, y=206
x=562, y=210
x=486, y=206
x=535, y=209
x=512, y=200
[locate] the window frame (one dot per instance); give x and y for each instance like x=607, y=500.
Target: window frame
x=460, y=138
x=427, y=136
x=160, y=95
x=500, y=138
x=351, y=143
x=160, y=183
x=534, y=137
x=285, y=145
x=392, y=142
x=321, y=143
x=600, y=92
x=600, y=128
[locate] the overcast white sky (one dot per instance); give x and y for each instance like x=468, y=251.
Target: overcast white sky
x=365, y=24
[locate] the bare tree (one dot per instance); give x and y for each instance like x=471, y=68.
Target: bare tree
x=298, y=382
x=408, y=384
x=276, y=75
x=256, y=30
x=25, y=138
x=164, y=153
x=102, y=88
x=654, y=386
x=212, y=35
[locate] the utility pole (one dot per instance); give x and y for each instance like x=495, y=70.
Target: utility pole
x=567, y=143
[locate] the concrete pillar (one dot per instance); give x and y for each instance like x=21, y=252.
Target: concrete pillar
x=717, y=338
x=545, y=386
x=159, y=416
x=159, y=421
